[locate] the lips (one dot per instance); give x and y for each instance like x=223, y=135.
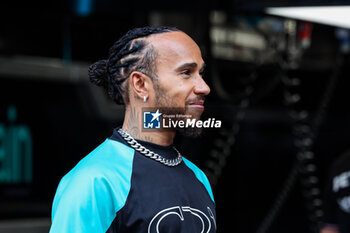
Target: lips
x=197, y=104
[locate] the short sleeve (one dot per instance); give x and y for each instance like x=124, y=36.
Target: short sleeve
x=90, y=195
x=83, y=205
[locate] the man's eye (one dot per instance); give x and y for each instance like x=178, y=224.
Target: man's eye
x=186, y=72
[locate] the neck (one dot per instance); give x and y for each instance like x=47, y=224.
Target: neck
x=133, y=125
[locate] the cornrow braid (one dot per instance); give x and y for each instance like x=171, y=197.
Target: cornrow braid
x=130, y=53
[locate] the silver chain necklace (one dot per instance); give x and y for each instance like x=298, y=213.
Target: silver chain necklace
x=150, y=154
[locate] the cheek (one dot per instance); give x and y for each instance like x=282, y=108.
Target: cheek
x=180, y=92
x=175, y=88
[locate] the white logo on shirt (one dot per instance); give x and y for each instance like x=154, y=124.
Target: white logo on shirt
x=181, y=212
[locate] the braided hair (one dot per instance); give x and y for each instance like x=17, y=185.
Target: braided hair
x=130, y=53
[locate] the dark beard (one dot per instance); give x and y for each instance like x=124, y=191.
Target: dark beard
x=190, y=132
x=164, y=103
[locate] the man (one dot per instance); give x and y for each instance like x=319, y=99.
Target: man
x=337, y=197
x=136, y=181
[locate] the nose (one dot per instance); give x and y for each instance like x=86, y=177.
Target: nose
x=201, y=87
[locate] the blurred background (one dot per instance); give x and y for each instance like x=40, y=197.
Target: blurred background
x=279, y=84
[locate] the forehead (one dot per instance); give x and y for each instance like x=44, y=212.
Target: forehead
x=175, y=48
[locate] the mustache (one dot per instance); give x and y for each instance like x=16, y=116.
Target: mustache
x=198, y=98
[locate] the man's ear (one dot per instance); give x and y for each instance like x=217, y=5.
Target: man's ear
x=139, y=83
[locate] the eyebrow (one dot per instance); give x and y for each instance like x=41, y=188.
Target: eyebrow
x=190, y=64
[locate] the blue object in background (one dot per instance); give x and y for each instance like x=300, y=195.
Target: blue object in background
x=83, y=7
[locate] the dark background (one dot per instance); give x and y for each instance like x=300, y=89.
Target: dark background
x=46, y=47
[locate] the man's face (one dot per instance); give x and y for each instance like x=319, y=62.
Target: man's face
x=179, y=70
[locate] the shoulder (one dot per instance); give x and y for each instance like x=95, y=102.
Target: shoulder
x=200, y=176
x=110, y=160
x=101, y=180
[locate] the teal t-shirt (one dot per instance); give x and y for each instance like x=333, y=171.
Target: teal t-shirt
x=117, y=189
